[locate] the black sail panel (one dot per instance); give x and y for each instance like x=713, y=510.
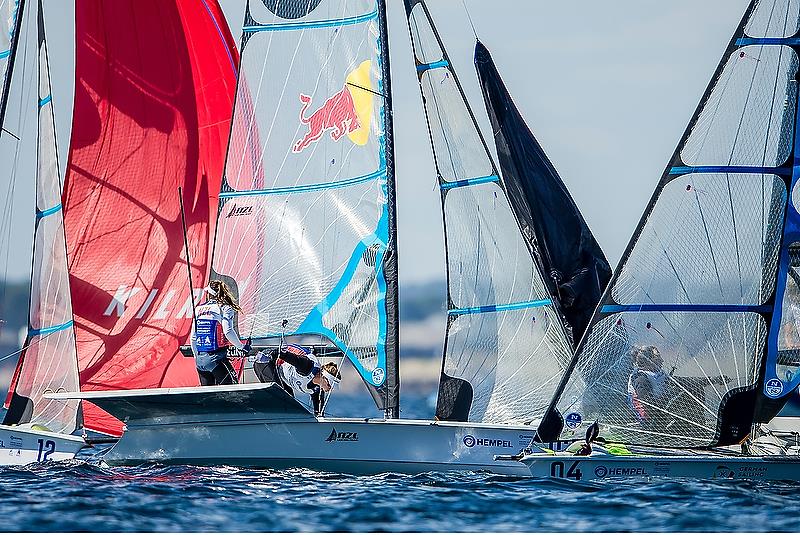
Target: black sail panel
x=577, y=268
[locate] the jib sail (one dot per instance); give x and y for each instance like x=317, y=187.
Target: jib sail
x=152, y=113
x=47, y=363
x=577, y=269
x=684, y=349
x=305, y=233
x=506, y=346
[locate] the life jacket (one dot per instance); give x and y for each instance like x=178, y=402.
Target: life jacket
x=658, y=384
x=209, y=333
x=292, y=377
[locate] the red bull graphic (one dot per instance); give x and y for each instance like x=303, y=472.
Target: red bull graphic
x=337, y=114
x=348, y=112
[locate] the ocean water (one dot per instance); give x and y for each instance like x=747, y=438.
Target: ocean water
x=84, y=495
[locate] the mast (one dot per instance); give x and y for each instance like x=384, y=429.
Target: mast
x=11, y=59
x=390, y=261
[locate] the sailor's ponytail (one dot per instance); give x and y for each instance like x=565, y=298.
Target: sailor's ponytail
x=223, y=295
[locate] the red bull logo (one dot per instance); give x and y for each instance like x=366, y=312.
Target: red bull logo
x=348, y=112
x=338, y=114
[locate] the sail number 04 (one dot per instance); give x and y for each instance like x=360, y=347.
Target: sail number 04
x=557, y=470
x=46, y=449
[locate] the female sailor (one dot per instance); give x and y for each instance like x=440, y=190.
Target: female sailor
x=212, y=332
x=296, y=369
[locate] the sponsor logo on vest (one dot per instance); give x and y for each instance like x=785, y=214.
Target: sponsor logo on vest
x=774, y=388
x=344, y=436
x=471, y=441
x=239, y=210
x=603, y=471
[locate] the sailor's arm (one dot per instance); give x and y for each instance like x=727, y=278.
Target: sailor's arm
x=301, y=363
x=228, y=329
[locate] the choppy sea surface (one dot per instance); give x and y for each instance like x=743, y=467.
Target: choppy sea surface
x=84, y=495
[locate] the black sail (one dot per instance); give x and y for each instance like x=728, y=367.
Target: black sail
x=577, y=268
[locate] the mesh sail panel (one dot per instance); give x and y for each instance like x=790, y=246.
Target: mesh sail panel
x=709, y=239
x=49, y=362
x=303, y=230
x=8, y=19
x=674, y=353
x=505, y=346
x=706, y=356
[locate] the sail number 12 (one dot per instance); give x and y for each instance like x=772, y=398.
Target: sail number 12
x=557, y=470
x=46, y=449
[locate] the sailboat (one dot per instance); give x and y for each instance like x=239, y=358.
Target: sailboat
x=693, y=349
x=47, y=363
x=306, y=239
x=109, y=296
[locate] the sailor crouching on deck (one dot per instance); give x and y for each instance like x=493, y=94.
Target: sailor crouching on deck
x=296, y=369
x=212, y=332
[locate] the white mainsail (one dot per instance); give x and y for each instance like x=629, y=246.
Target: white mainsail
x=505, y=347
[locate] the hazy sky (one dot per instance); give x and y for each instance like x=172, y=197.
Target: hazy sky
x=606, y=86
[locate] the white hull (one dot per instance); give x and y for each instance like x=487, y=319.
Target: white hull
x=20, y=446
x=700, y=466
x=261, y=426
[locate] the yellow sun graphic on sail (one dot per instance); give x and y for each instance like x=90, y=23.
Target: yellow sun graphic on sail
x=359, y=83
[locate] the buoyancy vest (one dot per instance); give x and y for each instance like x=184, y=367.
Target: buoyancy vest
x=294, y=378
x=209, y=331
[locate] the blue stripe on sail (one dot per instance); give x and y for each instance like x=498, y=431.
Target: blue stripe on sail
x=609, y=309
x=304, y=188
x=470, y=182
x=4, y=53
x=50, y=330
x=500, y=308
x=49, y=211
x=435, y=65
x=685, y=170
x=313, y=24
x=45, y=100
x=743, y=41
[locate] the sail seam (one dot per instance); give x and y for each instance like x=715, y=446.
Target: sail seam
x=51, y=330
x=608, y=309
x=306, y=187
x=500, y=308
x=43, y=102
x=5, y=54
x=733, y=169
x=469, y=182
x=49, y=211
x=305, y=25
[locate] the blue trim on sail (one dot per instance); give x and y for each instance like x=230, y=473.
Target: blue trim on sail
x=313, y=24
x=685, y=170
x=500, y=308
x=469, y=182
x=4, y=53
x=788, y=41
x=43, y=102
x=306, y=187
x=49, y=211
x=610, y=309
x=435, y=65
x=50, y=330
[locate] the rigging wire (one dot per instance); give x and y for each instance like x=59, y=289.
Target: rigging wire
x=469, y=16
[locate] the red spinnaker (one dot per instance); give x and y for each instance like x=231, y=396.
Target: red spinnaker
x=154, y=90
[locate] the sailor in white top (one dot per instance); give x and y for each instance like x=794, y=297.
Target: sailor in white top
x=213, y=331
